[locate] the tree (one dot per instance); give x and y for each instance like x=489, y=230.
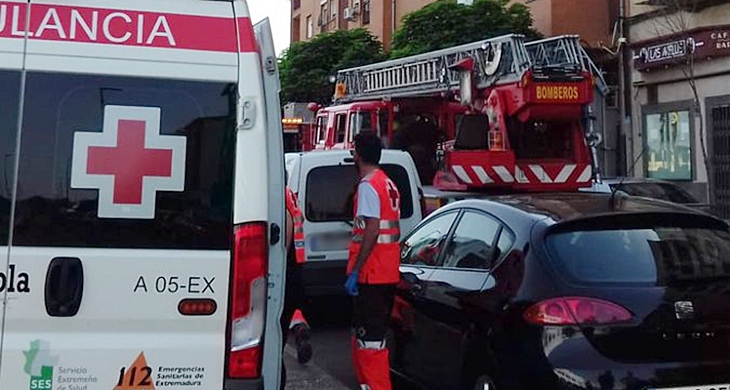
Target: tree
x=445, y=23
x=305, y=67
x=675, y=18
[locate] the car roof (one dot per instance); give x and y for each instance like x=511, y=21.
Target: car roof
x=339, y=154
x=632, y=179
x=566, y=206
x=432, y=191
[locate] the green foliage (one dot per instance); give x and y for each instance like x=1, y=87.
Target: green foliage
x=445, y=23
x=305, y=67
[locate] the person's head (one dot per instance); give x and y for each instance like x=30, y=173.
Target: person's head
x=368, y=148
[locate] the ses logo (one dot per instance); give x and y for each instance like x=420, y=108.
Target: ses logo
x=39, y=365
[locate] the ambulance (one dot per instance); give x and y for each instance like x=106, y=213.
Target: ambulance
x=141, y=196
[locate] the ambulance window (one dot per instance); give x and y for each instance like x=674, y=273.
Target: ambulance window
x=9, y=95
x=341, y=126
x=57, y=106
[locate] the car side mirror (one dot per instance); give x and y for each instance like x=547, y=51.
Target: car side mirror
x=409, y=277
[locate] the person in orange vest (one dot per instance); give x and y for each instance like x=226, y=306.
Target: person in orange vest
x=372, y=269
x=292, y=318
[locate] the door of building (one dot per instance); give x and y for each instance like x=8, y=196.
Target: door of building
x=720, y=130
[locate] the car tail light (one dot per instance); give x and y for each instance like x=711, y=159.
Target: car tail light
x=576, y=311
x=247, y=312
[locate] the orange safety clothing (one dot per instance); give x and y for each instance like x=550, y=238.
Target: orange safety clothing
x=382, y=265
x=298, y=221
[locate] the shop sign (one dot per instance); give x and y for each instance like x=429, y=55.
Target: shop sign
x=701, y=43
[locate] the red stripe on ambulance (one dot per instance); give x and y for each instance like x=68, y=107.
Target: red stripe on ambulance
x=124, y=27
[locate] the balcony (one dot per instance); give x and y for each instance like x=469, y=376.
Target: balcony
x=684, y=5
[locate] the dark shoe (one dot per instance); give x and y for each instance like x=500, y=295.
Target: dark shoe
x=304, y=352
x=304, y=349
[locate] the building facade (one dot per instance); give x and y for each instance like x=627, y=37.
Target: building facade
x=680, y=78
x=380, y=17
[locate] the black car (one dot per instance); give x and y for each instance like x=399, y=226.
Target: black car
x=564, y=291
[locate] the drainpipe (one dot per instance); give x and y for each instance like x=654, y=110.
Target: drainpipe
x=392, y=19
x=622, y=89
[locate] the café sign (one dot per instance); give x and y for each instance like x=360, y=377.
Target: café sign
x=701, y=44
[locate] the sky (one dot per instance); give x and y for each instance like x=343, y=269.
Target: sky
x=278, y=12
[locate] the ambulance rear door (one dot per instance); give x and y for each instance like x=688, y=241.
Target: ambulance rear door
x=13, y=280
x=123, y=220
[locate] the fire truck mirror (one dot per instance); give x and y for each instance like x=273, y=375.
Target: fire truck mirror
x=465, y=87
x=493, y=58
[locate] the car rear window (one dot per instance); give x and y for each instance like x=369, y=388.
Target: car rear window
x=330, y=191
x=668, y=192
x=653, y=255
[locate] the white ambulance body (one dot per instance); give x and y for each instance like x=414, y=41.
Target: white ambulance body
x=141, y=196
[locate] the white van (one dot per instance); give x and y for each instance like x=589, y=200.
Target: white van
x=141, y=196
x=325, y=183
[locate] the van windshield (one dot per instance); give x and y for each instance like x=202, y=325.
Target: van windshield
x=330, y=191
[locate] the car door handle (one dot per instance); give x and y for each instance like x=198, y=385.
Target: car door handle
x=64, y=286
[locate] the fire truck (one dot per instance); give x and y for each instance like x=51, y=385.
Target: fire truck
x=492, y=114
x=297, y=121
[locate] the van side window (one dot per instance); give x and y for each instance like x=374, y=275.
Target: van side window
x=340, y=127
x=9, y=96
x=51, y=213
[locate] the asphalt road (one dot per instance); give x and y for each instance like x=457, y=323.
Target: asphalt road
x=331, y=364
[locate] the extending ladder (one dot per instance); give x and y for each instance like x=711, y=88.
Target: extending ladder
x=498, y=60
x=564, y=51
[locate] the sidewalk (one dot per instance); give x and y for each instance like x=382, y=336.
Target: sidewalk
x=308, y=376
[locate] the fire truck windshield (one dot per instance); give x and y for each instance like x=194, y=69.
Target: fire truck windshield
x=361, y=121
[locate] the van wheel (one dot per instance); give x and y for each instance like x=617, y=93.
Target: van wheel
x=484, y=382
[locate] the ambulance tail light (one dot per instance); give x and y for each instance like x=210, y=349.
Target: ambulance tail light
x=247, y=314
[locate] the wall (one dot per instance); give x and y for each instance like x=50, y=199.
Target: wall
x=587, y=18
x=307, y=8
x=542, y=14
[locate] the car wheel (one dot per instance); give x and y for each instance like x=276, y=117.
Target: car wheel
x=484, y=382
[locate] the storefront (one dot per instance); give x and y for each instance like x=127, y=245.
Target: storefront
x=670, y=73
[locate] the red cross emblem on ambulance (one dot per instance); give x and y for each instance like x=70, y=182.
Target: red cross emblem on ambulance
x=128, y=162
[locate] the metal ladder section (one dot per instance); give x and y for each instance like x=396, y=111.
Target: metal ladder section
x=429, y=74
x=564, y=50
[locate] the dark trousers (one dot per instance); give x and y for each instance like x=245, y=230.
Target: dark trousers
x=371, y=311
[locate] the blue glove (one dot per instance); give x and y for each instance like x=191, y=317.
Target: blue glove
x=351, y=284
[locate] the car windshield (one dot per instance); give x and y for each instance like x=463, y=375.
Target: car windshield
x=330, y=192
x=658, y=255
x=662, y=191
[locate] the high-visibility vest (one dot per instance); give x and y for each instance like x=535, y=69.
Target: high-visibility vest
x=298, y=221
x=382, y=265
